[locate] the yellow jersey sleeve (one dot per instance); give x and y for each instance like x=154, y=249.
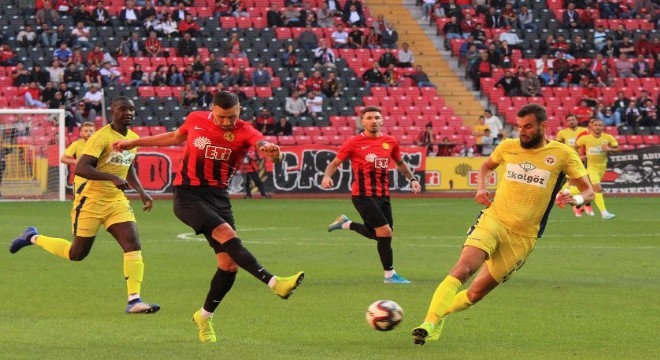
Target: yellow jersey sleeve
x=109, y=161
x=574, y=168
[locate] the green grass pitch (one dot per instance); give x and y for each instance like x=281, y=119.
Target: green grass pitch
x=589, y=290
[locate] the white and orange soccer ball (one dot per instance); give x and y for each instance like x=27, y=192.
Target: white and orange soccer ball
x=384, y=315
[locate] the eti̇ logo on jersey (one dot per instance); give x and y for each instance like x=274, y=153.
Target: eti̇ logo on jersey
x=550, y=160
x=228, y=136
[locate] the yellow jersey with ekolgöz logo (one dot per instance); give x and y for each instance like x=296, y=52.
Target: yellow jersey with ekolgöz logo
x=568, y=135
x=110, y=161
x=596, y=156
x=532, y=178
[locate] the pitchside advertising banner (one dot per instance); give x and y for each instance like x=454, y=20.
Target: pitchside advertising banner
x=633, y=172
x=300, y=171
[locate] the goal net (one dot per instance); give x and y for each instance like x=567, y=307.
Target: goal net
x=32, y=142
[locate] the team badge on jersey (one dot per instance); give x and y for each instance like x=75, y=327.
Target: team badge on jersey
x=550, y=160
x=228, y=136
x=386, y=146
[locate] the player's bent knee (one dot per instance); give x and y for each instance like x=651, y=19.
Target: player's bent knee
x=223, y=233
x=475, y=295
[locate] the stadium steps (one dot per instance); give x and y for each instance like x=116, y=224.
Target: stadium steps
x=450, y=85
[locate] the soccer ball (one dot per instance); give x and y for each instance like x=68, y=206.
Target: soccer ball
x=384, y=315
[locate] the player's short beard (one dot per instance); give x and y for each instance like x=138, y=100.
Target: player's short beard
x=533, y=142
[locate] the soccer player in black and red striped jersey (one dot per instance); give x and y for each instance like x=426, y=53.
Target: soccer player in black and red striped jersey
x=215, y=144
x=370, y=153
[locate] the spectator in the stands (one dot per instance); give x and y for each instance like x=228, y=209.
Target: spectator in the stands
x=48, y=93
x=405, y=57
x=590, y=94
x=291, y=17
x=308, y=40
x=334, y=7
x=233, y=46
x=32, y=96
x=452, y=9
x=356, y=38
x=95, y=56
x=324, y=16
x=153, y=45
x=264, y=122
x=56, y=72
x=134, y=46
x=27, y=37
x=169, y=27
x=187, y=46
x=147, y=10
x=478, y=131
x=588, y=18
x=110, y=76
x=583, y=113
x=506, y=54
x=426, y=139
x=511, y=37
x=427, y=9
x=374, y=76
x=38, y=73
x=189, y=26
x=261, y=76
x=641, y=67
x=174, y=77
x=608, y=117
x=619, y=34
x=526, y=19
x=299, y=84
x=225, y=8
x=180, y=13
x=138, y=76
x=494, y=20
x=471, y=56
x=531, y=85
x=289, y=57
x=63, y=54
x=467, y=25
x=391, y=75
x=356, y=3
x=205, y=98
x=624, y=67
x=93, y=102
x=20, y=75
x=80, y=35
x=547, y=46
x=386, y=59
x=73, y=76
x=81, y=14
x=315, y=82
x=100, y=15
x=643, y=46
x=494, y=57
x=332, y=87
x=420, y=78
x=631, y=115
x=627, y=47
x=610, y=50
x=563, y=45
x=509, y=83
x=478, y=34
x=600, y=36
x=241, y=77
x=339, y=37
x=493, y=122
x=324, y=56
x=604, y=76
x=487, y=143
x=295, y=106
x=656, y=66
x=510, y=16
x=353, y=16
x=389, y=37
x=620, y=103
x=47, y=35
x=208, y=77
x=130, y=15
x=649, y=114
x=641, y=99
x=578, y=48
x=373, y=39
x=452, y=30
x=283, y=127
x=571, y=17
x=314, y=103
x=47, y=15
x=481, y=69
x=189, y=96
x=226, y=76
x=159, y=76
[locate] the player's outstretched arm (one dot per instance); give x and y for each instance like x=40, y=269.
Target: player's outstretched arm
x=270, y=150
x=405, y=170
x=68, y=160
x=330, y=170
x=166, y=139
x=483, y=196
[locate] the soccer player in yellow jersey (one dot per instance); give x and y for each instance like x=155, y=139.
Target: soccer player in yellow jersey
x=597, y=145
x=568, y=137
x=75, y=151
x=101, y=200
x=505, y=233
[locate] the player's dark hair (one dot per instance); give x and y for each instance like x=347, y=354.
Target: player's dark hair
x=370, y=109
x=569, y=115
x=533, y=109
x=225, y=99
x=119, y=99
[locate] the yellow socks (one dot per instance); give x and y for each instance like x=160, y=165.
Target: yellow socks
x=55, y=246
x=461, y=302
x=599, y=200
x=133, y=271
x=442, y=299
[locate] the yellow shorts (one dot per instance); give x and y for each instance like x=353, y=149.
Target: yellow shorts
x=595, y=175
x=88, y=214
x=507, y=251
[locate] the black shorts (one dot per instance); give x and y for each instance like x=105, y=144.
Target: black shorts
x=375, y=211
x=203, y=209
